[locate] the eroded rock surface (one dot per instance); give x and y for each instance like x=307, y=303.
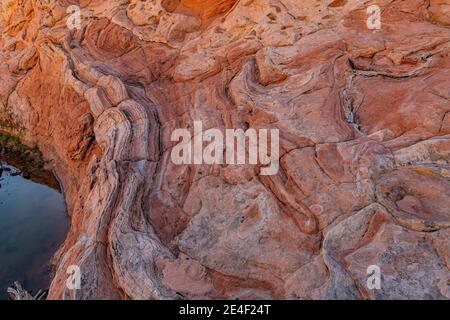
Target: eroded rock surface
x=364, y=120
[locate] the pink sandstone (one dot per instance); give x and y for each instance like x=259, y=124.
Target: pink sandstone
x=364, y=120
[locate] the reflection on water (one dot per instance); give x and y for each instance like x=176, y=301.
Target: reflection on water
x=33, y=224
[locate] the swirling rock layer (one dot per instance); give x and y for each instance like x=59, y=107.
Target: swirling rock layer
x=364, y=120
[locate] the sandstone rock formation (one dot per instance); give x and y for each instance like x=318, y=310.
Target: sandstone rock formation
x=364, y=120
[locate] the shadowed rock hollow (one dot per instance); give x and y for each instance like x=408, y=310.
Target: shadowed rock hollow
x=364, y=120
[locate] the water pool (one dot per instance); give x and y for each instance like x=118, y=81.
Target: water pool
x=33, y=224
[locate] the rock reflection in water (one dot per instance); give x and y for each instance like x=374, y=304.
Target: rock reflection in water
x=33, y=224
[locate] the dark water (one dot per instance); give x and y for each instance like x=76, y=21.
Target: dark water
x=33, y=224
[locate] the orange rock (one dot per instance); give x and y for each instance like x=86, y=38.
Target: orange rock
x=364, y=122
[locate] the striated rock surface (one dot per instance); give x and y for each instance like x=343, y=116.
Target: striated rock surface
x=364, y=120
